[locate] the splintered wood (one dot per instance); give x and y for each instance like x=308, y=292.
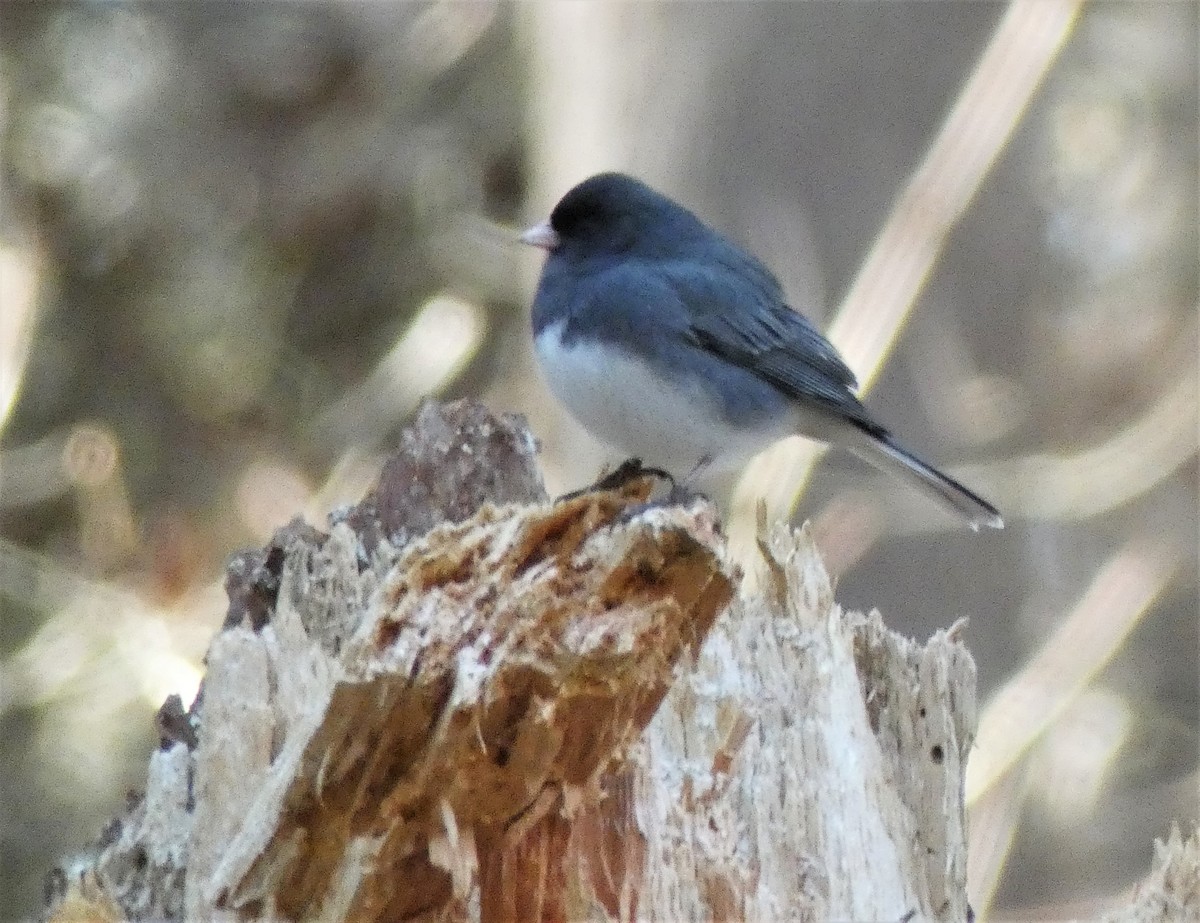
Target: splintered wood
x=503, y=663
x=465, y=702
x=810, y=768
x=396, y=710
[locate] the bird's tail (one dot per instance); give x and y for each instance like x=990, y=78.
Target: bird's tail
x=881, y=450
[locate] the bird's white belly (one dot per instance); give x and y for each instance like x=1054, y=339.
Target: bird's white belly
x=625, y=403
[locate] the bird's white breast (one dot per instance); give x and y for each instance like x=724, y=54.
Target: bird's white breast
x=627, y=404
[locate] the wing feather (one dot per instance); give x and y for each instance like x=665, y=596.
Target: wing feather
x=741, y=317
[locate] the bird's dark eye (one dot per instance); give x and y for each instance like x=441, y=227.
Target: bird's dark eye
x=573, y=219
x=591, y=223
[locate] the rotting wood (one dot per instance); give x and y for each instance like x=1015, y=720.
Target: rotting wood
x=468, y=703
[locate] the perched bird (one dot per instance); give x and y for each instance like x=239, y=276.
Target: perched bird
x=668, y=342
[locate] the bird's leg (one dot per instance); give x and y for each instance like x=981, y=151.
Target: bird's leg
x=683, y=491
x=697, y=470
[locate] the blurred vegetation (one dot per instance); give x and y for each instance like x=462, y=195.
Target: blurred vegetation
x=239, y=242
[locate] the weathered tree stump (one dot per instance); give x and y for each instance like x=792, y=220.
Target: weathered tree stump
x=465, y=702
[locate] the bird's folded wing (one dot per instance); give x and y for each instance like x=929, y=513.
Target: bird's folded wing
x=751, y=327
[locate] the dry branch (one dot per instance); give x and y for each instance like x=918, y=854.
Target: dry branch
x=467, y=703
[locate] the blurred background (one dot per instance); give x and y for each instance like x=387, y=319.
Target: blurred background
x=240, y=242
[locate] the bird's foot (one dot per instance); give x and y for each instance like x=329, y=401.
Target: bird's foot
x=629, y=470
x=682, y=494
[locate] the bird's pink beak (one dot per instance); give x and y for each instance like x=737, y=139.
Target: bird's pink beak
x=541, y=235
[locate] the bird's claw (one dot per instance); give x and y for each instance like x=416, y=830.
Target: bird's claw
x=628, y=470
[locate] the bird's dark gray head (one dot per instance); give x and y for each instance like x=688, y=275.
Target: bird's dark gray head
x=613, y=213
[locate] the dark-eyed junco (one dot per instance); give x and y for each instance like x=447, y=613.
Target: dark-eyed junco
x=667, y=341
